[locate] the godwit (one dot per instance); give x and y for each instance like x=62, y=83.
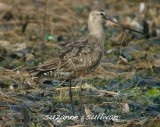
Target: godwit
x=79, y=57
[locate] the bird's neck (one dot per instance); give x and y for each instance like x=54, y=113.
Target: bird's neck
x=97, y=31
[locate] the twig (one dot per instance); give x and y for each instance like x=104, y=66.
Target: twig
x=44, y=25
x=120, y=50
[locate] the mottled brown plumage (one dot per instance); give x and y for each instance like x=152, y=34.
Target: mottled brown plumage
x=77, y=58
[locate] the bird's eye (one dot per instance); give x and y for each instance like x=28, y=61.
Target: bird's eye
x=102, y=13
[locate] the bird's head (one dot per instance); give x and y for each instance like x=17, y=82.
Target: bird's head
x=99, y=16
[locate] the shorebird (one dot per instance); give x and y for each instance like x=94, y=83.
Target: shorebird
x=79, y=57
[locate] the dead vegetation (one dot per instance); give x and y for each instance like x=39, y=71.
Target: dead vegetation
x=125, y=84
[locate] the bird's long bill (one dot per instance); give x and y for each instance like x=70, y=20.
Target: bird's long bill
x=111, y=20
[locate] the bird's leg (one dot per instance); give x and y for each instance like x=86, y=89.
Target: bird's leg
x=80, y=97
x=70, y=95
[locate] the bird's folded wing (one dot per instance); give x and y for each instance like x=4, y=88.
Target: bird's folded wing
x=75, y=56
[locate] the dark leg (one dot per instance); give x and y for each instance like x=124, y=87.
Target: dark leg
x=70, y=95
x=80, y=97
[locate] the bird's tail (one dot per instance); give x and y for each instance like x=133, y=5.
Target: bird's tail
x=33, y=71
